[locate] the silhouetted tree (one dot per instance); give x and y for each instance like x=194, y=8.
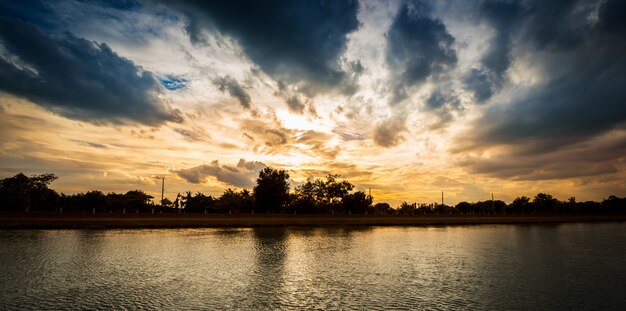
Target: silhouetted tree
x=521, y=205
x=334, y=191
x=322, y=195
x=22, y=193
x=133, y=199
x=443, y=209
x=199, y=203
x=382, y=208
x=167, y=203
x=425, y=209
x=357, y=202
x=545, y=203
x=272, y=190
x=614, y=204
x=303, y=204
x=407, y=208
x=464, y=208
x=234, y=201
x=95, y=199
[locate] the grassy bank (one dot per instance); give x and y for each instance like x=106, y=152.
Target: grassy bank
x=107, y=221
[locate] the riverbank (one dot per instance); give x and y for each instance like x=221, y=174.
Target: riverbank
x=111, y=221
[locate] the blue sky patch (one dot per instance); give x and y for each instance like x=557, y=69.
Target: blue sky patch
x=173, y=83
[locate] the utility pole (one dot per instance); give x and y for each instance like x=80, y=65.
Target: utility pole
x=371, y=201
x=493, y=206
x=441, y=197
x=162, y=178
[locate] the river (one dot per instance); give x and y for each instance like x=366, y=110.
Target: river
x=487, y=267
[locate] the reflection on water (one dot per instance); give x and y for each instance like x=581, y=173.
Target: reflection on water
x=573, y=266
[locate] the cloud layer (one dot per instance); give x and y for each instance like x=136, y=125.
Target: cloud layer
x=77, y=78
x=581, y=94
x=242, y=175
x=404, y=96
x=418, y=48
x=298, y=42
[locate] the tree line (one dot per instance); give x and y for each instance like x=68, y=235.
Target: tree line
x=273, y=195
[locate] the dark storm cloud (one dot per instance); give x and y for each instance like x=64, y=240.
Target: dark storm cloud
x=546, y=25
x=242, y=175
x=39, y=13
x=78, y=78
x=230, y=85
x=444, y=104
x=601, y=156
x=482, y=83
x=419, y=47
x=581, y=95
x=299, y=42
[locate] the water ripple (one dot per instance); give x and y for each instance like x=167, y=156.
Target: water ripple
x=485, y=267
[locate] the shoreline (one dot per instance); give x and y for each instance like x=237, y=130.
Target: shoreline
x=171, y=221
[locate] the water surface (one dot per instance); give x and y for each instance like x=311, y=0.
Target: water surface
x=555, y=267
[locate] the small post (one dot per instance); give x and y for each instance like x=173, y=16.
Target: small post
x=230, y=211
x=61, y=210
x=93, y=210
x=124, y=211
x=153, y=211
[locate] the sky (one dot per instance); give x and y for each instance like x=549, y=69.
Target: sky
x=406, y=98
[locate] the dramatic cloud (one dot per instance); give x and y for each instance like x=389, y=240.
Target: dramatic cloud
x=299, y=42
x=267, y=135
x=295, y=105
x=243, y=175
x=318, y=143
x=582, y=93
x=230, y=85
x=389, y=133
x=348, y=134
x=408, y=96
x=504, y=18
x=608, y=156
x=444, y=104
x=77, y=78
x=418, y=47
